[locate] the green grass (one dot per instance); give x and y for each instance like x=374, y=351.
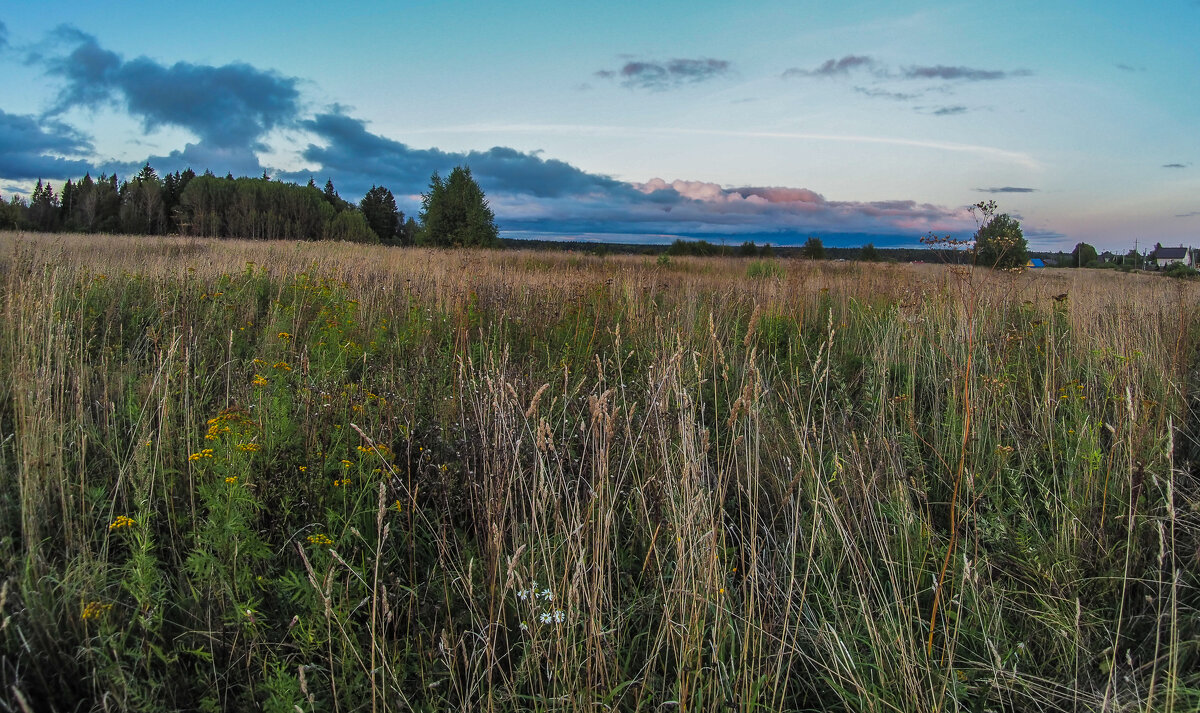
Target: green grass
x=292, y=477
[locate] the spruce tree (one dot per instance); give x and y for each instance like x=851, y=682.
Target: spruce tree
x=455, y=212
x=378, y=206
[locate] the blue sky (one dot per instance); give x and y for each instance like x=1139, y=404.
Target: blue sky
x=774, y=120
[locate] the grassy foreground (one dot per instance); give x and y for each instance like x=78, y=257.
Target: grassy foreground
x=315, y=477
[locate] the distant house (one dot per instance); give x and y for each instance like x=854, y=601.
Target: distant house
x=1107, y=257
x=1165, y=257
x=1035, y=262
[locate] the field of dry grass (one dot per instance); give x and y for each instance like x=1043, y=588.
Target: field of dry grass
x=328, y=477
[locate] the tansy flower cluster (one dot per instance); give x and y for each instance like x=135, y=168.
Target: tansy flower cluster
x=122, y=521
x=94, y=610
x=320, y=539
x=226, y=422
x=206, y=453
x=377, y=448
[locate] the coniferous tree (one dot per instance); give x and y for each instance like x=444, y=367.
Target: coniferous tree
x=142, y=204
x=378, y=206
x=43, y=208
x=455, y=212
x=335, y=200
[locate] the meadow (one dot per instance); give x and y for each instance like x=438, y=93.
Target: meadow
x=321, y=477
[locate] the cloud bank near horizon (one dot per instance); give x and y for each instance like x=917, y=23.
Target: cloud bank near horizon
x=232, y=110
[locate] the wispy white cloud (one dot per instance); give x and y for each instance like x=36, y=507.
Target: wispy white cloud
x=1018, y=158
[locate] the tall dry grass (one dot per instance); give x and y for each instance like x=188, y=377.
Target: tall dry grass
x=830, y=486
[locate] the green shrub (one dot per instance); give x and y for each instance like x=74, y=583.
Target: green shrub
x=1180, y=270
x=762, y=269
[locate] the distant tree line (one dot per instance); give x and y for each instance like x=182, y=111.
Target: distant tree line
x=454, y=211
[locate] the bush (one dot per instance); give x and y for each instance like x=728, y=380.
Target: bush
x=1181, y=271
x=762, y=269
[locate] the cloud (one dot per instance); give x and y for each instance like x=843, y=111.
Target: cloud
x=31, y=149
x=229, y=108
x=834, y=67
x=357, y=158
x=965, y=73
x=1006, y=189
x=3, y=35
x=1176, y=165
x=531, y=193
x=1193, y=214
x=837, y=68
x=671, y=74
x=885, y=94
x=949, y=110
x=1129, y=68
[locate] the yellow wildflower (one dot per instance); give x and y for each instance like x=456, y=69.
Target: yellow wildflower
x=94, y=610
x=122, y=521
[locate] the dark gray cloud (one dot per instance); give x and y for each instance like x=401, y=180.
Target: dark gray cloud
x=885, y=94
x=359, y=158
x=31, y=149
x=965, y=73
x=1193, y=214
x=852, y=63
x=226, y=107
x=949, y=110
x=1176, y=165
x=3, y=35
x=1006, y=189
x=834, y=67
x=671, y=74
x=1129, y=68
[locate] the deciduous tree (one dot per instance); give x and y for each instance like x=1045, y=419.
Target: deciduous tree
x=999, y=242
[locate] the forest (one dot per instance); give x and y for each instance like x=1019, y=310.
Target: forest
x=205, y=205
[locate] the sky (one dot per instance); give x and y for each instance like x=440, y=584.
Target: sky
x=770, y=121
